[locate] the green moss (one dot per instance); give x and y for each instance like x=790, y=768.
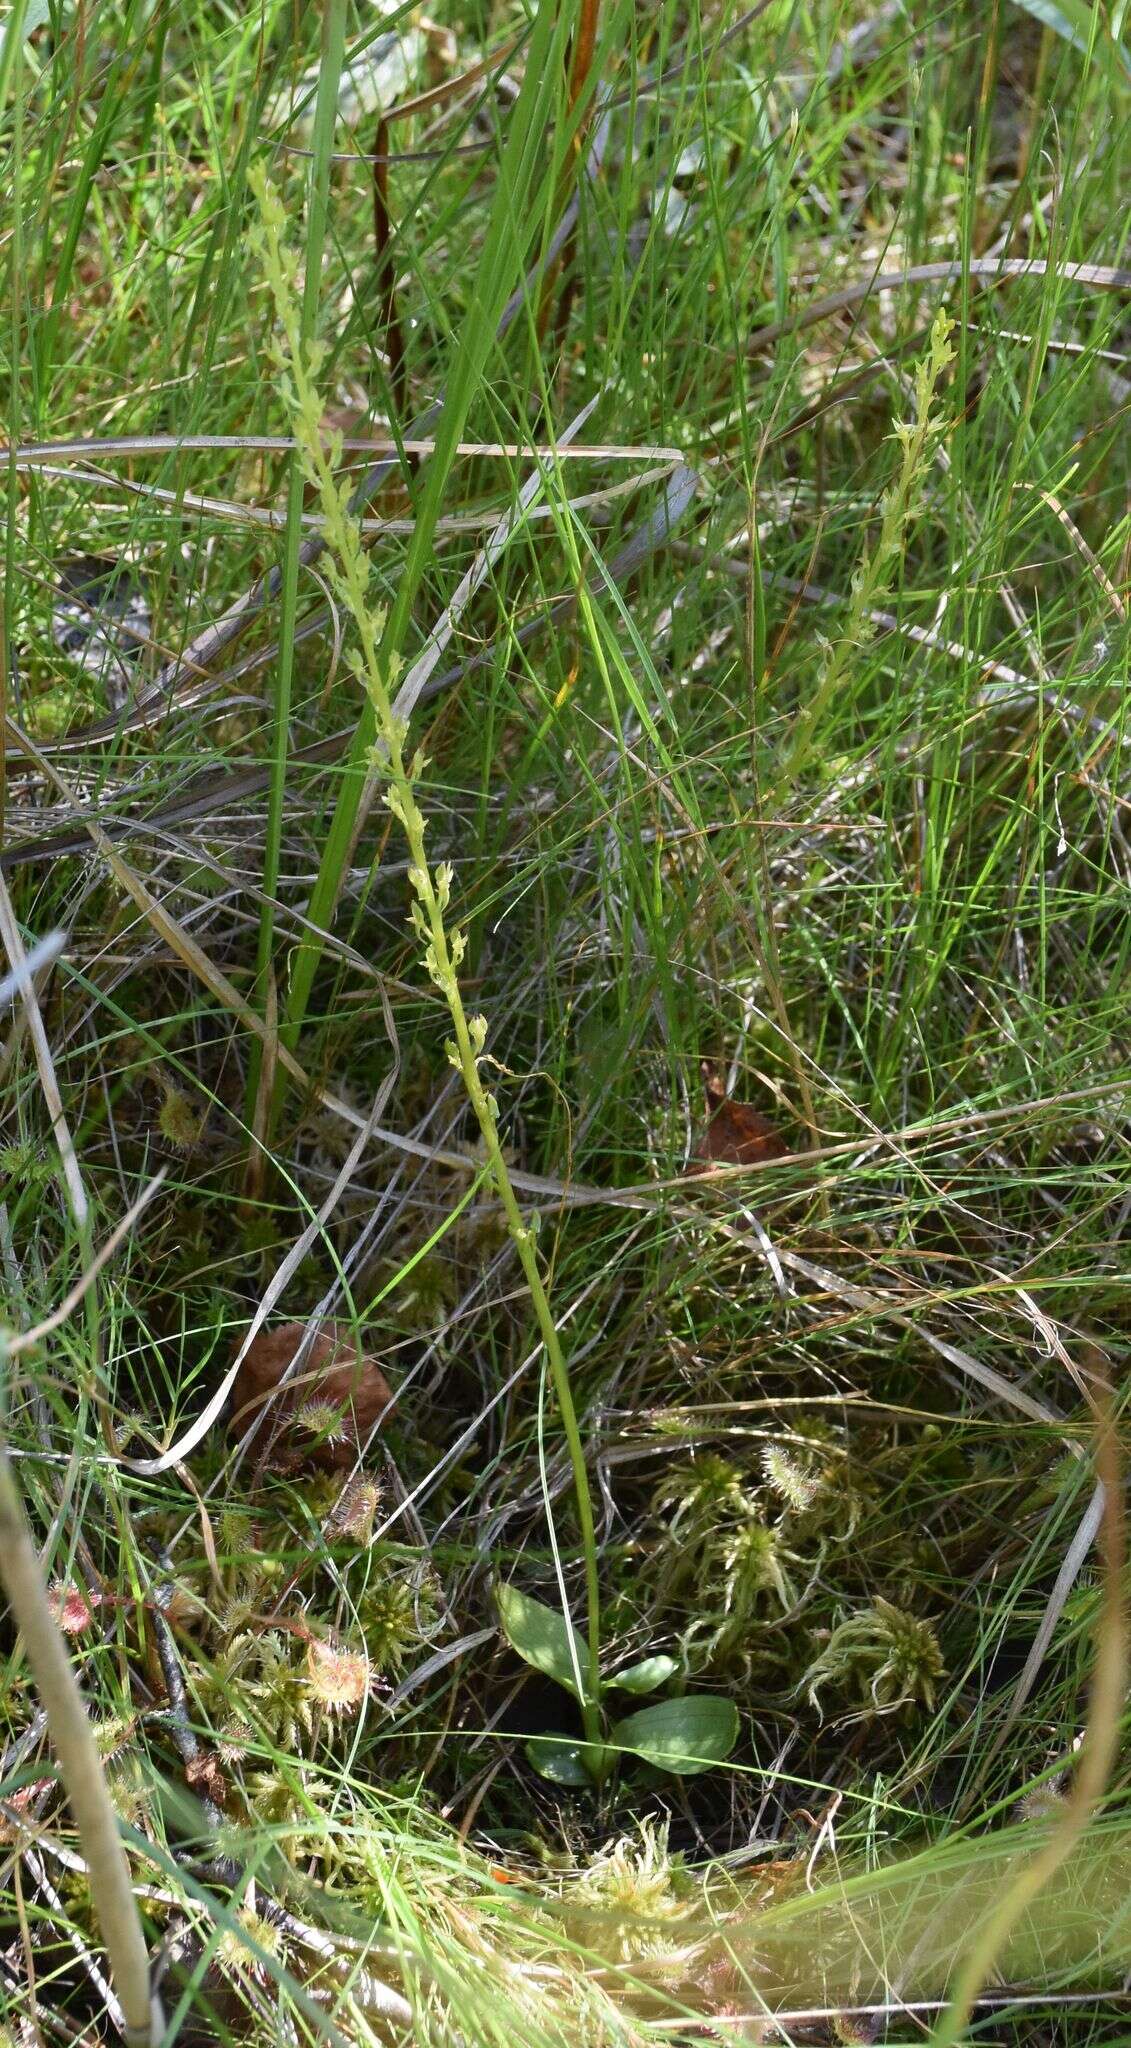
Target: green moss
x=880, y=1658
x=58, y=710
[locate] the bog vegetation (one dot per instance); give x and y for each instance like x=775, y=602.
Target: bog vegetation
x=564, y=1090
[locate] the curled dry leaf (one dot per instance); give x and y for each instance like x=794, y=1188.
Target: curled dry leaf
x=325, y=1412
x=735, y=1133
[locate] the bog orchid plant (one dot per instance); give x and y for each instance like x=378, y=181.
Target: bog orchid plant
x=683, y=1734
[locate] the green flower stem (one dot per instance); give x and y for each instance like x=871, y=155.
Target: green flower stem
x=873, y=576
x=348, y=571
x=524, y=1240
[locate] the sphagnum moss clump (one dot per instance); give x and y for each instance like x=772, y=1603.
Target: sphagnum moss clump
x=886, y=1656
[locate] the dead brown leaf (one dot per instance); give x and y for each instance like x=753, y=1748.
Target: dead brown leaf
x=736, y=1134
x=324, y=1414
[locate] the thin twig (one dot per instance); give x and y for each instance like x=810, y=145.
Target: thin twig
x=23, y=976
x=80, y=1764
x=989, y=269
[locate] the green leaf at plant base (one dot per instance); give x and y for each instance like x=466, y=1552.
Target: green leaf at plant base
x=560, y=1762
x=544, y=1638
x=647, y=1676
x=684, y=1735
